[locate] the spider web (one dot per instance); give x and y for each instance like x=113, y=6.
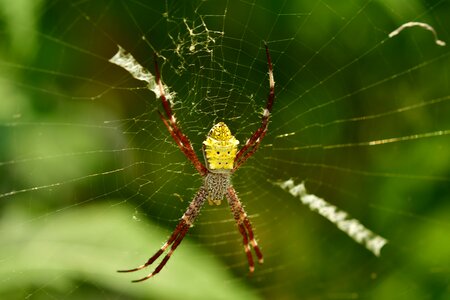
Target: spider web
x=92, y=182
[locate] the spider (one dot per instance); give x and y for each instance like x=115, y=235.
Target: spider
x=222, y=159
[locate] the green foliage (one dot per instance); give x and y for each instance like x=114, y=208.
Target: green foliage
x=91, y=182
x=74, y=251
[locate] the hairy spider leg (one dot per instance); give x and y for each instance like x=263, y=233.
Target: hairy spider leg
x=189, y=154
x=253, y=142
x=245, y=228
x=252, y=239
x=178, y=230
x=167, y=257
x=176, y=237
x=180, y=139
x=251, y=264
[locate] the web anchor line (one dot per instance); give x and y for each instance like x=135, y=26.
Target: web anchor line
x=352, y=227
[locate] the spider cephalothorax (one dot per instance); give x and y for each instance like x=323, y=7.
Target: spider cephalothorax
x=222, y=158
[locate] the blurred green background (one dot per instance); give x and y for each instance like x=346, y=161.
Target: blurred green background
x=91, y=182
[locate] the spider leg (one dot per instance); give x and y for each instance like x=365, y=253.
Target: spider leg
x=251, y=264
x=245, y=228
x=167, y=257
x=170, y=122
x=176, y=233
x=253, y=242
x=253, y=142
x=189, y=154
x=176, y=237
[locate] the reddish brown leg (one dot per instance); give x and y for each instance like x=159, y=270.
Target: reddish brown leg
x=167, y=257
x=245, y=228
x=178, y=231
x=251, y=236
x=181, y=140
x=251, y=264
x=177, y=236
x=253, y=142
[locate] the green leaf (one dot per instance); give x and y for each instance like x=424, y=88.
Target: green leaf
x=88, y=244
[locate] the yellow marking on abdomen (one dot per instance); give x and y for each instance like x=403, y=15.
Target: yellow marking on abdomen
x=220, y=148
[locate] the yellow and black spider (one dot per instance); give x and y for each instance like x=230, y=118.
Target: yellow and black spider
x=222, y=159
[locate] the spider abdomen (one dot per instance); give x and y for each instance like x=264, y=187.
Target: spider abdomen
x=216, y=185
x=220, y=149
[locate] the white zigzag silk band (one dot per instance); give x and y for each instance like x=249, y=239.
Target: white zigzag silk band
x=341, y=219
x=126, y=61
